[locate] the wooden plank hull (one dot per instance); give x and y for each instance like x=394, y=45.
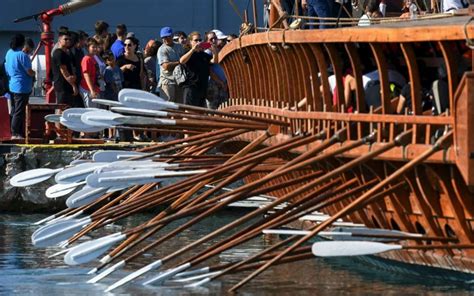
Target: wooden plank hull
x=282, y=75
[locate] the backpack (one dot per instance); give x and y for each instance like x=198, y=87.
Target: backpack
x=183, y=76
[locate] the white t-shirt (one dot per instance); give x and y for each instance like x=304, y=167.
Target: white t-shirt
x=448, y=5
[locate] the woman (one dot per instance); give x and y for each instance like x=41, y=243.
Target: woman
x=151, y=63
x=198, y=63
x=132, y=66
x=133, y=70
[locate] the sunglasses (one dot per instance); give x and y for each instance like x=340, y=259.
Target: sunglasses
x=197, y=40
x=128, y=44
x=67, y=39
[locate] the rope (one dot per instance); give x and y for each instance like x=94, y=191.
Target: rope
x=469, y=42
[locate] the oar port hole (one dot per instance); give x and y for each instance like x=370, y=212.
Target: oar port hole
x=394, y=224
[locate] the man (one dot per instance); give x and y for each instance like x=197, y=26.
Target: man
x=102, y=34
x=318, y=8
x=217, y=91
x=181, y=38
x=20, y=73
x=169, y=56
x=198, y=63
x=118, y=47
x=64, y=78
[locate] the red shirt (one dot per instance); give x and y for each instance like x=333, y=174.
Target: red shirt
x=89, y=66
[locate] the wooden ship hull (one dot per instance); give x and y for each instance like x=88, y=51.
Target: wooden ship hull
x=282, y=74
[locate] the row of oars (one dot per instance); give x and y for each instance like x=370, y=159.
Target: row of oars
x=175, y=178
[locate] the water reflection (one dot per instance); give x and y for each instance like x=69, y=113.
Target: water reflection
x=28, y=271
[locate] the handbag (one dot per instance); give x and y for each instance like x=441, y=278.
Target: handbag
x=183, y=76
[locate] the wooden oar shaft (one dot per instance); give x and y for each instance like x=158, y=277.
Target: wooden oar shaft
x=254, y=230
x=148, y=201
x=235, y=115
x=346, y=210
x=184, y=140
x=186, y=196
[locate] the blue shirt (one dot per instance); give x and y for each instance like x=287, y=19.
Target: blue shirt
x=17, y=64
x=118, y=48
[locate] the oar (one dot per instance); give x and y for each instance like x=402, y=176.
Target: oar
x=77, y=173
x=60, y=231
x=362, y=248
x=363, y=198
x=106, y=119
x=249, y=216
x=32, y=177
x=259, y=140
x=151, y=103
x=60, y=190
x=275, y=151
x=368, y=233
x=134, y=177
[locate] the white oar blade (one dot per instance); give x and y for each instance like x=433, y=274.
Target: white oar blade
x=90, y=250
x=77, y=173
x=32, y=177
x=60, y=190
x=137, y=111
x=102, y=118
x=167, y=274
x=134, y=101
x=114, y=155
x=139, y=94
x=350, y=248
x=73, y=115
x=85, y=196
x=107, y=102
x=54, y=118
x=53, y=234
x=134, y=275
x=80, y=126
x=121, y=178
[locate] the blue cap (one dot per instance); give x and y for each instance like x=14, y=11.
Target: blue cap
x=166, y=32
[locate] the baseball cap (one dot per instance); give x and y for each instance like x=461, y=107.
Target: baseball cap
x=219, y=34
x=166, y=32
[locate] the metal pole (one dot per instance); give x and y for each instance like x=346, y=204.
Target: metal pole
x=255, y=19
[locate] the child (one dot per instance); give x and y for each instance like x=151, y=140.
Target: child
x=113, y=78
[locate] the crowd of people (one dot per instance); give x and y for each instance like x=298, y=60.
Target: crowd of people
x=179, y=67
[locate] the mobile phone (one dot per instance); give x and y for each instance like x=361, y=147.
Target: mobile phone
x=205, y=45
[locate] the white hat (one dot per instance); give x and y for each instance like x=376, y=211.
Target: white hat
x=219, y=34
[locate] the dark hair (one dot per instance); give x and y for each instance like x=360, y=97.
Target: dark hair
x=109, y=40
x=92, y=41
x=134, y=40
x=17, y=41
x=29, y=42
x=372, y=5
x=74, y=37
x=67, y=33
x=180, y=34
x=63, y=30
x=82, y=35
x=101, y=27
x=121, y=30
x=108, y=55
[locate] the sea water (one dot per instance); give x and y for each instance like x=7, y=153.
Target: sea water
x=25, y=270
